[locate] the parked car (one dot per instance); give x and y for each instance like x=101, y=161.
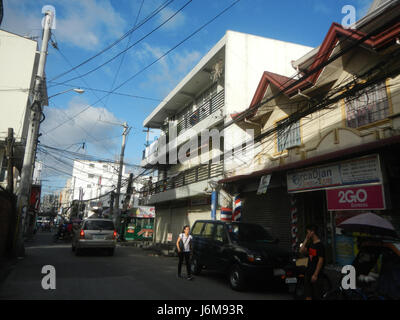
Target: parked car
x=95, y=234
x=245, y=252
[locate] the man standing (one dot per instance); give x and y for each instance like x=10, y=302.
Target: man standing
x=316, y=263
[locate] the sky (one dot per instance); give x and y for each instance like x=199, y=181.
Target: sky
x=85, y=27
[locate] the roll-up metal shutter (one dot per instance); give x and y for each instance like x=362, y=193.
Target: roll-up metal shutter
x=270, y=210
x=198, y=213
x=170, y=220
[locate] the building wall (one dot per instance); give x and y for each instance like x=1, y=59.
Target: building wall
x=17, y=64
x=247, y=57
x=323, y=131
x=109, y=178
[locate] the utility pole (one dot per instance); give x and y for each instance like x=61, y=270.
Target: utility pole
x=31, y=142
x=128, y=193
x=10, y=160
x=117, y=214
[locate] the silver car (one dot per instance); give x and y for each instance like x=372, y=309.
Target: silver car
x=95, y=233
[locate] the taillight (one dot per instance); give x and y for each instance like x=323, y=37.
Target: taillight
x=82, y=234
x=114, y=234
x=289, y=273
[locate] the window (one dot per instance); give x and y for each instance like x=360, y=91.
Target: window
x=249, y=233
x=89, y=186
x=197, y=228
x=288, y=136
x=370, y=105
x=220, y=234
x=98, y=225
x=208, y=230
x=91, y=165
x=90, y=176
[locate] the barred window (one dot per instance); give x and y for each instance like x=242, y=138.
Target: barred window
x=288, y=136
x=370, y=105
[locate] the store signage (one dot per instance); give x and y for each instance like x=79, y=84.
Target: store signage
x=365, y=170
x=145, y=212
x=264, y=183
x=356, y=198
x=169, y=237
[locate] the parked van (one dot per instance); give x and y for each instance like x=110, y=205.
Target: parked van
x=243, y=251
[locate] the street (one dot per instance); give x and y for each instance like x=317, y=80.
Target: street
x=132, y=273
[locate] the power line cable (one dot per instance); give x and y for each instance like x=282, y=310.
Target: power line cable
x=123, y=56
x=132, y=45
x=155, y=61
x=148, y=18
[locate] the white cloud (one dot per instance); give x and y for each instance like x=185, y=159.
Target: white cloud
x=86, y=24
x=170, y=69
x=85, y=127
x=175, y=23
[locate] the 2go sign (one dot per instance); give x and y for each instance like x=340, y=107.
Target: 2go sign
x=356, y=198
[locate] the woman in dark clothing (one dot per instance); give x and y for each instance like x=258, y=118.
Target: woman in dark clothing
x=183, y=244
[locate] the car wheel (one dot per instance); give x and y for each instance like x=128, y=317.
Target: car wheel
x=78, y=251
x=195, y=266
x=236, y=278
x=111, y=252
x=73, y=248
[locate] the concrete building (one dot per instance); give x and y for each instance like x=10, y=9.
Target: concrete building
x=18, y=64
x=92, y=182
x=329, y=142
x=222, y=83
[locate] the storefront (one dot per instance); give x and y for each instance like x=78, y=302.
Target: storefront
x=341, y=190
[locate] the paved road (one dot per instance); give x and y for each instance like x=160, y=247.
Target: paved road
x=132, y=273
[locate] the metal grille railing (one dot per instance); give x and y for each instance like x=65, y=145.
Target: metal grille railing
x=207, y=108
x=190, y=120
x=197, y=174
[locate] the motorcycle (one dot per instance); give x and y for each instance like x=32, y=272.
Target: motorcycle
x=294, y=278
x=371, y=285
x=62, y=235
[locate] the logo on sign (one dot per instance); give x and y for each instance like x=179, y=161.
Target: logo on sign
x=353, y=198
x=350, y=196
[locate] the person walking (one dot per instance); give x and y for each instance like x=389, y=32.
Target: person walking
x=316, y=263
x=184, y=244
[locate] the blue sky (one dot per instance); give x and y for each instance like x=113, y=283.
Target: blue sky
x=84, y=27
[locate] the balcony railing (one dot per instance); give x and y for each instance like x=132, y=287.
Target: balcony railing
x=184, y=178
x=207, y=108
x=190, y=120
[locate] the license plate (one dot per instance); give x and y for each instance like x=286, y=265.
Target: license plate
x=279, y=272
x=98, y=237
x=290, y=280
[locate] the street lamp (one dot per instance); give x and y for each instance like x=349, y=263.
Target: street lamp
x=77, y=90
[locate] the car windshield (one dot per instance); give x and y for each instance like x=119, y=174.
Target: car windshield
x=249, y=233
x=98, y=225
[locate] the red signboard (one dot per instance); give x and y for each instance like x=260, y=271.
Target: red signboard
x=356, y=198
x=34, y=201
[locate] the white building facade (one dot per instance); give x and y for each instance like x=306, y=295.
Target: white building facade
x=93, y=181
x=221, y=84
x=18, y=66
